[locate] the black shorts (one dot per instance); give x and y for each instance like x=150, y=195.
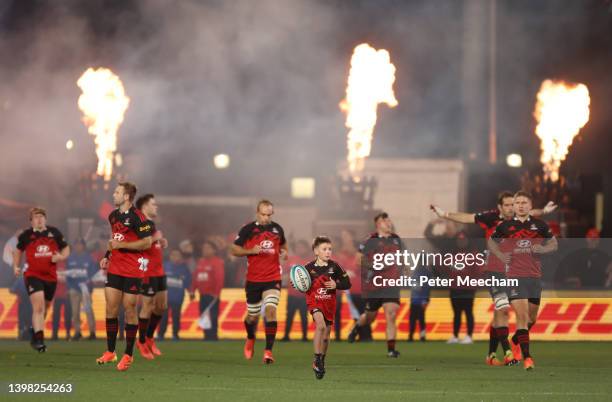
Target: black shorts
x=153, y=284
x=375, y=304
x=254, y=290
x=528, y=288
x=125, y=284
x=34, y=284
x=496, y=291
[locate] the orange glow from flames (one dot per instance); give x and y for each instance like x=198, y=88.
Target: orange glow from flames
x=562, y=109
x=103, y=103
x=370, y=82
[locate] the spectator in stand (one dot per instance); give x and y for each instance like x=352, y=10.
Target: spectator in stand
x=235, y=267
x=24, y=306
x=419, y=299
x=186, y=247
x=208, y=279
x=462, y=297
x=296, y=300
x=587, y=268
x=61, y=300
x=80, y=268
x=9, y=247
x=24, y=309
x=178, y=279
x=100, y=251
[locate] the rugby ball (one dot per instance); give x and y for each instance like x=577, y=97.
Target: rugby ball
x=300, y=278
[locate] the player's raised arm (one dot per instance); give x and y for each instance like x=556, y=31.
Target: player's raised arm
x=459, y=217
x=548, y=208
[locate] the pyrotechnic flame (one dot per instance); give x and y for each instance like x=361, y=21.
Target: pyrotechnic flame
x=370, y=82
x=561, y=111
x=103, y=103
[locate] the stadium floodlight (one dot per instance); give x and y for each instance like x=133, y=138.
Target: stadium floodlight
x=302, y=187
x=514, y=160
x=221, y=161
x=69, y=145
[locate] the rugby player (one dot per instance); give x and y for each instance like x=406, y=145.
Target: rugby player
x=44, y=246
x=381, y=241
x=263, y=243
x=125, y=264
x=488, y=221
x=326, y=277
x=518, y=243
x=154, y=289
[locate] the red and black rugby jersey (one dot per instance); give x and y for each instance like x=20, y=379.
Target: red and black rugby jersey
x=265, y=266
x=128, y=226
x=39, y=247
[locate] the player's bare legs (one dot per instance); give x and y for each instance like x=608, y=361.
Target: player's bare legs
x=319, y=334
x=320, y=343
x=158, y=308
x=160, y=302
x=113, y=302
x=366, y=318
x=499, y=335
x=270, y=298
x=521, y=309
x=131, y=327
x=113, y=299
x=143, y=325
x=40, y=307
x=533, y=314
x=250, y=324
x=391, y=310
x=326, y=341
x=129, y=306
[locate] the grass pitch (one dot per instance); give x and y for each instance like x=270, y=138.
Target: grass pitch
x=216, y=371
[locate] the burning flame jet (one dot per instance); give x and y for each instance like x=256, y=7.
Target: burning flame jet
x=103, y=103
x=370, y=82
x=561, y=111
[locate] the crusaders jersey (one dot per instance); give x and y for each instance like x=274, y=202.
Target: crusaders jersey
x=129, y=226
x=516, y=237
x=318, y=296
x=376, y=244
x=488, y=221
x=39, y=247
x=265, y=266
x=154, y=256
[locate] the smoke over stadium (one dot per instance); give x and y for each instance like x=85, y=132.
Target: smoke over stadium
x=283, y=142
